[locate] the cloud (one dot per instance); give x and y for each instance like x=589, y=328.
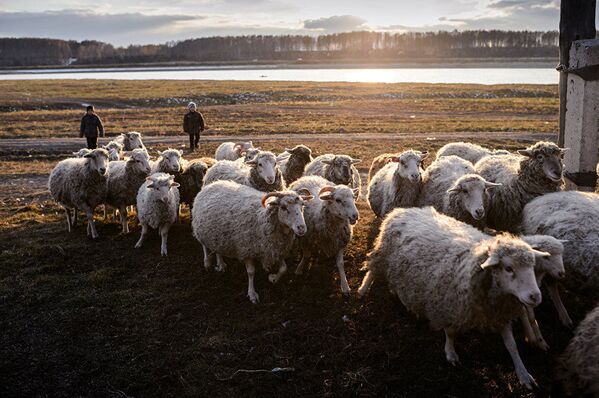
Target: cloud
x=336, y=23
x=131, y=28
x=78, y=24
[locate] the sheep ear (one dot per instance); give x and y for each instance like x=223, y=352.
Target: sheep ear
x=525, y=152
x=326, y=196
x=562, y=150
x=423, y=155
x=251, y=163
x=540, y=254
x=327, y=161
x=307, y=197
x=280, y=158
x=492, y=261
x=159, y=153
x=562, y=241
x=88, y=155
x=454, y=189
x=355, y=161
x=75, y=153
x=394, y=159
x=492, y=184
x=356, y=192
x=175, y=184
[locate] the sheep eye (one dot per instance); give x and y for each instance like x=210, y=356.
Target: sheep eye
x=284, y=208
x=540, y=157
x=402, y=163
x=509, y=269
x=338, y=200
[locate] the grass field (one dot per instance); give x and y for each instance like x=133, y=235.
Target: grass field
x=99, y=318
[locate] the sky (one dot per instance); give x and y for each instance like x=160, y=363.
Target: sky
x=125, y=22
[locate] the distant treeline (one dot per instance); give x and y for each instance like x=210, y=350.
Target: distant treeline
x=353, y=45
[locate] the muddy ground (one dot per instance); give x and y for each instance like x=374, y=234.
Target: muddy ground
x=99, y=318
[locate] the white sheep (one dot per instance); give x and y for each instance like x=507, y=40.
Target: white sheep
x=261, y=172
x=338, y=169
x=124, y=180
x=114, y=149
x=157, y=206
x=240, y=222
x=574, y=217
x=549, y=269
x=169, y=161
x=232, y=150
x=397, y=184
x=579, y=364
x=468, y=151
x=329, y=218
x=451, y=187
x=456, y=276
x=81, y=183
x=82, y=152
x=130, y=141
x=538, y=171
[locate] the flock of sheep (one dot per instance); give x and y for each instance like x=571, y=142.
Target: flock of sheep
x=465, y=243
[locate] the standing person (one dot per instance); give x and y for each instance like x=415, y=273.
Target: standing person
x=193, y=124
x=91, y=125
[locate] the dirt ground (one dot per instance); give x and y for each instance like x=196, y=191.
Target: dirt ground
x=99, y=318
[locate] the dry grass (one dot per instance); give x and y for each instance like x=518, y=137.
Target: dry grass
x=275, y=107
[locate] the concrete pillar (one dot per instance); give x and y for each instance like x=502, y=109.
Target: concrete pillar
x=581, y=133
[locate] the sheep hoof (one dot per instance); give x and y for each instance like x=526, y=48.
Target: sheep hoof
x=346, y=291
x=138, y=245
x=273, y=278
x=453, y=358
x=541, y=344
x=528, y=381
x=163, y=252
x=254, y=298
x=299, y=271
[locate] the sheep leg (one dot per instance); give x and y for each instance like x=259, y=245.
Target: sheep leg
x=559, y=305
x=75, y=211
x=144, y=232
x=343, y=278
x=105, y=213
x=251, y=270
x=274, y=278
x=164, y=237
x=221, y=266
x=450, y=354
x=91, y=226
x=68, y=213
x=306, y=254
x=123, y=216
x=510, y=344
x=207, y=259
x=531, y=328
x=366, y=283
x=528, y=332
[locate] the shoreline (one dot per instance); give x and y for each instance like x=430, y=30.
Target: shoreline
x=292, y=65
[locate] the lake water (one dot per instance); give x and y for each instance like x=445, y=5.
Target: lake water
x=488, y=75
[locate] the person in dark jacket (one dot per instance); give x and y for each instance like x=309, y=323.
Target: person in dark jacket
x=193, y=124
x=91, y=125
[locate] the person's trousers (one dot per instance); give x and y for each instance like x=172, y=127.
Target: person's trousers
x=194, y=140
x=92, y=142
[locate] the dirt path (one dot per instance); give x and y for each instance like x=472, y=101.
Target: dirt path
x=51, y=145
